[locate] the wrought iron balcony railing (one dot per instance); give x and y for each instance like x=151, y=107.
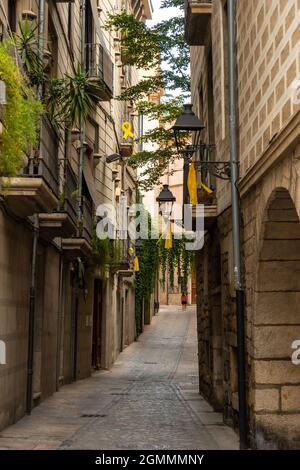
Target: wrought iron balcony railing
x=100, y=66
x=70, y=192
x=44, y=161
x=87, y=218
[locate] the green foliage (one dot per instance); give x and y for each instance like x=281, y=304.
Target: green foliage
x=20, y=116
x=26, y=42
x=140, y=44
x=81, y=96
x=161, y=47
x=106, y=253
x=67, y=99
x=70, y=98
x=175, y=258
x=154, y=258
x=145, y=278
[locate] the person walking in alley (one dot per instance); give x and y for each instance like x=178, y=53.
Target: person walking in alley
x=183, y=301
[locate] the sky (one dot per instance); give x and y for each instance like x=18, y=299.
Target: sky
x=163, y=14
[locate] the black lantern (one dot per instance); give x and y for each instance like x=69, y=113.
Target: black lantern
x=187, y=126
x=166, y=200
x=187, y=130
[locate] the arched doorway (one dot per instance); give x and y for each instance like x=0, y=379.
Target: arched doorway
x=276, y=380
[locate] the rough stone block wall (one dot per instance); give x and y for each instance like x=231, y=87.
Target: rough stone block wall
x=15, y=249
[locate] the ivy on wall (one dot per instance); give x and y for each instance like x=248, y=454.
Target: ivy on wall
x=20, y=115
x=175, y=260
x=145, y=278
x=106, y=253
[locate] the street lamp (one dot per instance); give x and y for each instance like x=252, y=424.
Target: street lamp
x=165, y=200
x=187, y=130
x=187, y=126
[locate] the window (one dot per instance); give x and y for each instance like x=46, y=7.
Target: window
x=12, y=16
x=89, y=38
x=70, y=25
x=52, y=49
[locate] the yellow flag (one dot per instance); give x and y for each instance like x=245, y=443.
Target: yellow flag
x=192, y=185
x=136, y=264
x=169, y=239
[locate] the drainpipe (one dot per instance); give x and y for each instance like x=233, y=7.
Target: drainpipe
x=74, y=319
x=31, y=320
x=60, y=322
x=41, y=31
x=82, y=129
x=234, y=159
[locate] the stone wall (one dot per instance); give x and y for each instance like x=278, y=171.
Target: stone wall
x=15, y=266
x=268, y=62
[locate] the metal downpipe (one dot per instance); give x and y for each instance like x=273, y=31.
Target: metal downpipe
x=234, y=159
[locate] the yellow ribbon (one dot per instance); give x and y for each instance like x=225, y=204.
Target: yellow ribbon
x=169, y=238
x=136, y=264
x=192, y=185
x=206, y=188
x=126, y=128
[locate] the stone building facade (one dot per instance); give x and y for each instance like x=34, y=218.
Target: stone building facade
x=56, y=306
x=268, y=67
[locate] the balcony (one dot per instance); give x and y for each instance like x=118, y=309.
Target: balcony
x=70, y=203
x=127, y=135
x=87, y=219
x=100, y=69
x=79, y=244
x=36, y=189
x=197, y=15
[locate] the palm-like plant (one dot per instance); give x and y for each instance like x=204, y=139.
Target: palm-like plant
x=81, y=97
x=26, y=42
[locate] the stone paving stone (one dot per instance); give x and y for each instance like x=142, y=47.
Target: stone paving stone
x=149, y=400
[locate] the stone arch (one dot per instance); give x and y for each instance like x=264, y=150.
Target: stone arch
x=276, y=325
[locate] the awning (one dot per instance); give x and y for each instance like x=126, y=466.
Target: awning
x=90, y=182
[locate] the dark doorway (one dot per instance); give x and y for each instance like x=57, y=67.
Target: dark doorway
x=97, y=325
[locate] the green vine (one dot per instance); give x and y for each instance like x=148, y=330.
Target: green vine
x=155, y=259
x=19, y=118
x=176, y=258
x=106, y=253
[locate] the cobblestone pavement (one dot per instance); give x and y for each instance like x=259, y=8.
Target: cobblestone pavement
x=149, y=400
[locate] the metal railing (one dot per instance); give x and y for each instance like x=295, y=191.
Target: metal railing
x=71, y=203
x=87, y=218
x=127, y=129
x=70, y=192
x=44, y=161
x=99, y=64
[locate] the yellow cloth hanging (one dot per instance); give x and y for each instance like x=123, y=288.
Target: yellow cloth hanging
x=206, y=188
x=192, y=184
x=169, y=239
x=136, y=264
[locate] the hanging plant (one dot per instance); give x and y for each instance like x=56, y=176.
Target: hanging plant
x=20, y=115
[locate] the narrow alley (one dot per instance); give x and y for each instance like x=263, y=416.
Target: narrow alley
x=148, y=400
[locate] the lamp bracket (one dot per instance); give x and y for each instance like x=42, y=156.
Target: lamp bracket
x=220, y=170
